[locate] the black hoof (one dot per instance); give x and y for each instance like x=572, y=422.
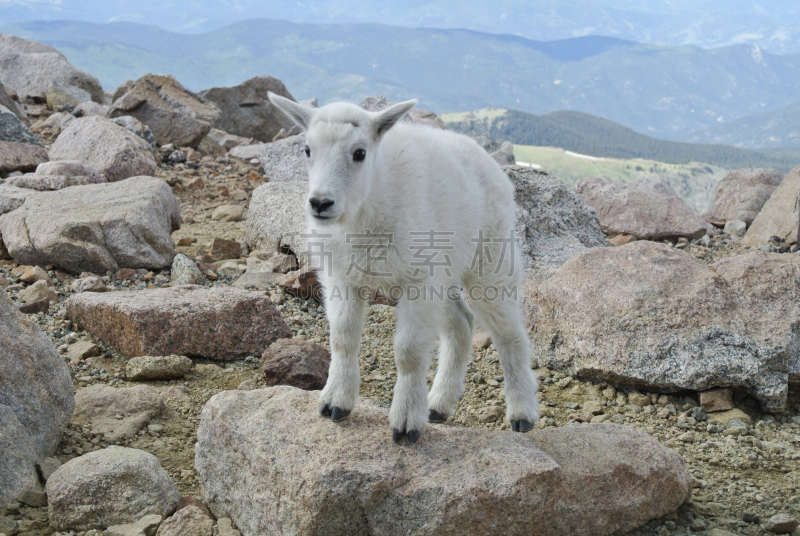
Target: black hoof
x=325, y=410
x=521, y=425
x=413, y=436
x=397, y=435
x=435, y=416
x=337, y=413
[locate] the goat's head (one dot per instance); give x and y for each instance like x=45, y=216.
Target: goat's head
x=342, y=142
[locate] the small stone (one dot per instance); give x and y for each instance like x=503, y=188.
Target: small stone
x=572, y=405
x=638, y=399
x=222, y=248
x=725, y=417
x=736, y=228
x=186, y=241
x=37, y=291
x=146, y=526
x=231, y=269
x=717, y=400
x=33, y=498
x=168, y=367
x=90, y=283
x=698, y=414
x=609, y=393
x=42, y=305
x=481, y=340
x=295, y=362
x=736, y=428
x=34, y=274
x=185, y=271
x=720, y=532
x=81, y=350
x=188, y=521
x=47, y=467
x=781, y=524
x=228, y=213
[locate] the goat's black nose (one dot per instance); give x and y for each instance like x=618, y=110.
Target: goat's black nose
x=321, y=205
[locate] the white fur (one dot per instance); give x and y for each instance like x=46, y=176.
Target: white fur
x=413, y=179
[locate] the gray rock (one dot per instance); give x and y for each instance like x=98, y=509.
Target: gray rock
x=257, y=281
x=29, y=68
x=61, y=94
x=650, y=316
x=188, y=521
x=147, y=526
x=173, y=113
x=276, y=218
x=90, y=283
x=505, y=154
x=646, y=208
x=781, y=524
x=15, y=156
x=377, y=103
x=589, y=479
x=137, y=127
x=90, y=108
x=247, y=152
x=741, y=194
x=228, y=213
x=37, y=291
x=13, y=129
x=246, y=111
x=109, y=148
x=285, y=160
x=227, y=140
x=17, y=457
x=185, y=271
x=297, y=363
x=11, y=197
x=736, y=228
x=47, y=467
x=34, y=380
x=117, y=413
x=47, y=183
x=780, y=215
x=97, y=227
x=11, y=104
x=112, y=486
x=165, y=367
x=70, y=168
x=217, y=323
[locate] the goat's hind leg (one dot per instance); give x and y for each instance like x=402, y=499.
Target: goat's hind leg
x=503, y=320
x=454, y=351
x=413, y=346
x=346, y=318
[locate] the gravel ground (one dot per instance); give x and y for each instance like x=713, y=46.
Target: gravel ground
x=745, y=472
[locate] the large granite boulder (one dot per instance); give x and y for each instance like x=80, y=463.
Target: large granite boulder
x=285, y=160
x=650, y=316
x=276, y=218
x=97, y=227
x=741, y=194
x=31, y=68
x=646, y=208
x=246, y=111
x=112, y=150
x=108, y=487
x=376, y=103
x=268, y=461
x=17, y=457
x=100, y=407
x=780, y=215
x=35, y=388
x=173, y=113
x=217, y=323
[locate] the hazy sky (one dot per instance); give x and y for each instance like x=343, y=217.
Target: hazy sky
x=708, y=23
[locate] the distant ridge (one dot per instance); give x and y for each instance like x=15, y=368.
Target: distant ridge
x=595, y=136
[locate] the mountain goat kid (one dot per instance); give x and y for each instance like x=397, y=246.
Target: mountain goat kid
x=425, y=217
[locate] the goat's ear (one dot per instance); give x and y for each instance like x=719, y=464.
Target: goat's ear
x=385, y=119
x=296, y=112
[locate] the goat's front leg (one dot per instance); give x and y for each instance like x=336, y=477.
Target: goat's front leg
x=417, y=327
x=346, y=319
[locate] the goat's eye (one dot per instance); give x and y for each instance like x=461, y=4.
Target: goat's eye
x=308, y=151
x=359, y=155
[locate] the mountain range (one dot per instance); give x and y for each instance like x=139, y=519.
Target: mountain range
x=705, y=23
x=666, y=92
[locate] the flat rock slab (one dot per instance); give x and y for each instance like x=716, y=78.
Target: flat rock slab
x=117, y=413
x=161, y=367
x=97, y=227
x=650, y=316
x=108, y=487
x=267, y=460
x=188, y=320
x=646, y=208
